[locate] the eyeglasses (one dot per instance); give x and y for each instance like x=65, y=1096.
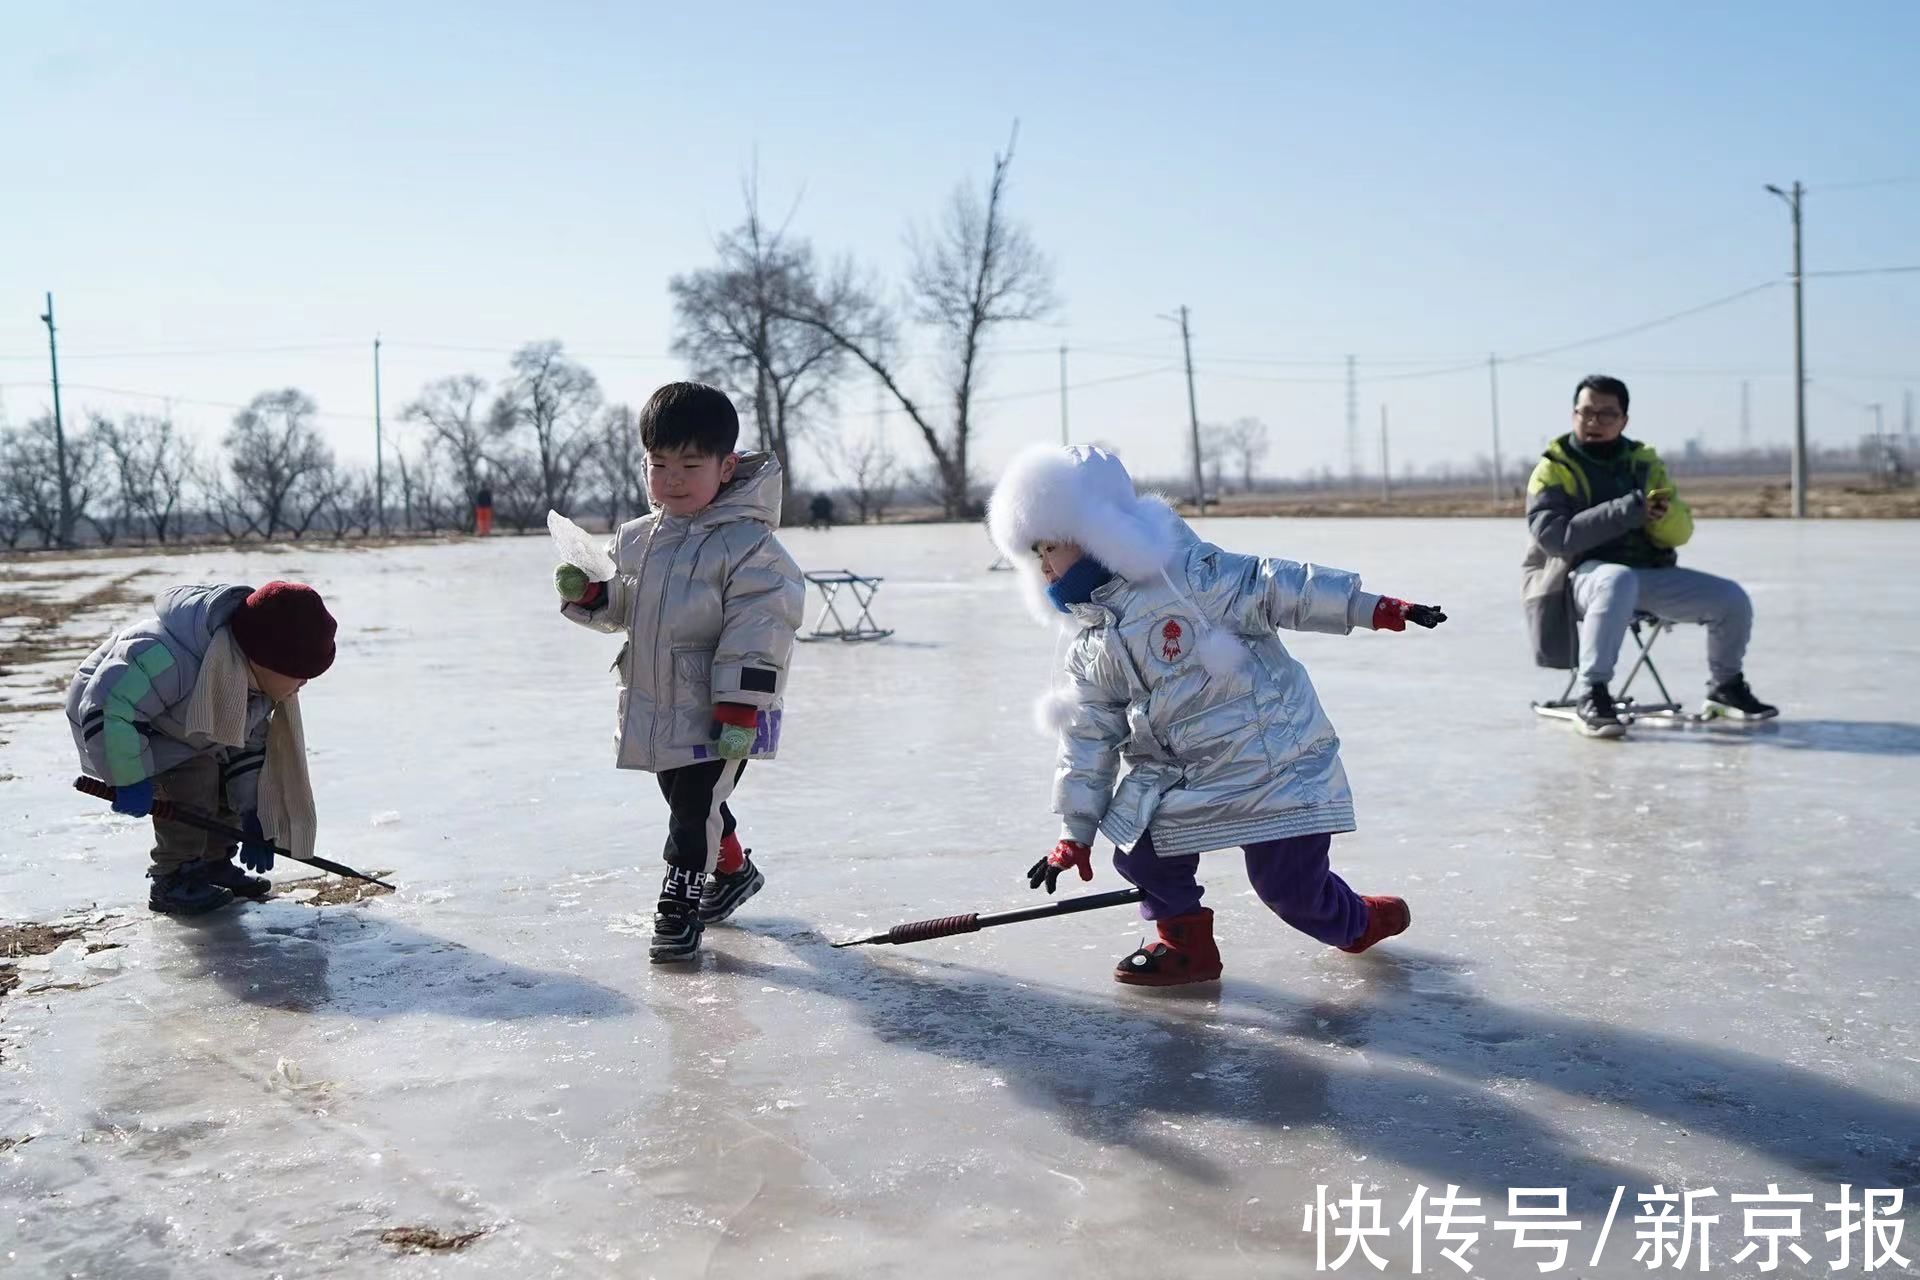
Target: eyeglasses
x=1598, y=415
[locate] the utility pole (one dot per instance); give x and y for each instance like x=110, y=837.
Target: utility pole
x=1799, y=359
x=59, y=433
x=379, y=452
x=1386, y=466
x=1906, y=422
x=1746, y=417
x=1063, y=395
x=1193, y=416
x=1493, y=386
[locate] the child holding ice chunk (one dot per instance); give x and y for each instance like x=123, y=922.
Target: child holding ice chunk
x=1174, y=670
x=199, y=705
x=710, y=602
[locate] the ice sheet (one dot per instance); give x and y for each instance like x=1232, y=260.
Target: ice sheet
x=1683, y=959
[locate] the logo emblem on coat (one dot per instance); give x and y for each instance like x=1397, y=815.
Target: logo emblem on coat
x=1172, y=640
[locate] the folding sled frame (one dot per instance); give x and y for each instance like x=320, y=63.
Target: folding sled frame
x=1645, y=629
x=862, y=589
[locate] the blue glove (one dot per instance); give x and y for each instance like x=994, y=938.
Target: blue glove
x=256, y=851
x=135, y=799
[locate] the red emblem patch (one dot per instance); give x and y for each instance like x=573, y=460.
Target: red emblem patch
x=1170, y=640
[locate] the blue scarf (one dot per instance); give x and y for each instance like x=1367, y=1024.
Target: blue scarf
x=1077, y=584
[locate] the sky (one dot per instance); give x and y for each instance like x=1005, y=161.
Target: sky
x=230, y=198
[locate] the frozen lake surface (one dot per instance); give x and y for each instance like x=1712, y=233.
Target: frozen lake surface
x=1684, y=960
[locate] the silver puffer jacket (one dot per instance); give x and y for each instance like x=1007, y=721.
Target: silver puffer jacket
x=1180, y=676
x=710, y=604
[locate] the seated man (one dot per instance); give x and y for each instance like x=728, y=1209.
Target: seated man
x=1604, y=521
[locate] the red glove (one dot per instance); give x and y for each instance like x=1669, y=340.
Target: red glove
x=1393, y=615
x=1068, y=853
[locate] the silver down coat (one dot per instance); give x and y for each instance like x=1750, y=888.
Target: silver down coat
x=1175, y=670
x=1218, y=725
x=710, y=604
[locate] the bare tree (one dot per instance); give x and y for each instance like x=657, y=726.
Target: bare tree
x=1244, y=442
x=223, y=509
x=1213, y=453
x=870, y=472
x=151, y=466
x=30, y=475
x=623, y=464
x=736, y=326
x=279, y=463
x=517, y=490
x=349, y=503
x=977, y=271
x=552, y=402
x=450, y=408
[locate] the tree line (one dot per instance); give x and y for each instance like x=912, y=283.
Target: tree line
x=541, y=436
x=783, y=331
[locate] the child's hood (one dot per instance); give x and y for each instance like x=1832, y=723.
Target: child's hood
x=753, y=494
x=191, y=614
x=1082, y=495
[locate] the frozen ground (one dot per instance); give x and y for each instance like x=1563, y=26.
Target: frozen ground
x=1686, y=960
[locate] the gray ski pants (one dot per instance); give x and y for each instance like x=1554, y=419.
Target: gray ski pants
x=1605, y=597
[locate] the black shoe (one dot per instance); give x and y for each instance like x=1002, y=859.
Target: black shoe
x=727, y=890
x=1734, y=700
x=223, y=873
x=185, y=891
x=676, y=920
x=676, y=932
x=1598, y=719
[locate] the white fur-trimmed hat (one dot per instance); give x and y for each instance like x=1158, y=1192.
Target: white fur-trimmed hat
x=1079, y=494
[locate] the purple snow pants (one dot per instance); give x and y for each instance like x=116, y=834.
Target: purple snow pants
x=1291, y=876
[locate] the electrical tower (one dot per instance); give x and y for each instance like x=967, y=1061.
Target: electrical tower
x=1353, y=427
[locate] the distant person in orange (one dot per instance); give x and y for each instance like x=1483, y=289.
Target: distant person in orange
x=482, y=512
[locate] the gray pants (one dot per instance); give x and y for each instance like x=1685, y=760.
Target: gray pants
x=1605, y=597
x=196, y=784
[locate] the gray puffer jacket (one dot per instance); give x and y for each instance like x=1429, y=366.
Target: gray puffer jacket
x=710, y=604
x=1180, y=677
x=125, y=702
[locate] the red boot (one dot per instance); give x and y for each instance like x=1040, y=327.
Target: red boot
x=1385, y=917
x=1185, y=953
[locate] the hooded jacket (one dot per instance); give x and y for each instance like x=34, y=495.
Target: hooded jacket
x=1579, y=508
x=710, y=604
x=127, y=703
x=1175, y=672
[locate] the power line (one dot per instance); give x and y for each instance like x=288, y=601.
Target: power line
x=1645, y=325
x=1865, y=183
x=1867, y=271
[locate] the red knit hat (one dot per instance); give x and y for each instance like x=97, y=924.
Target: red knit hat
x=284, y=627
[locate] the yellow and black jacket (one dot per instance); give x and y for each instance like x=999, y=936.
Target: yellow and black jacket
x=1583, y=506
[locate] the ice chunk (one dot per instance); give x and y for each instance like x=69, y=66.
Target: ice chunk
x=579, y=548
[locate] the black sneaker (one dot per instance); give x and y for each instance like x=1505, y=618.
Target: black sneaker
x=727, y=890
x=1598, y=719
x=1734, y=700
x=676, y=920
x=223, y=873
x=185, y=891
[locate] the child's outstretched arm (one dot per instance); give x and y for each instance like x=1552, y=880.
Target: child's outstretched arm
x=1287, y=595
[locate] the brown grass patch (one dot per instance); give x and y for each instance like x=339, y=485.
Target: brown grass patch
x=339, y=891
x=40, y=641
x=427, y=1240
x=34, y=939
